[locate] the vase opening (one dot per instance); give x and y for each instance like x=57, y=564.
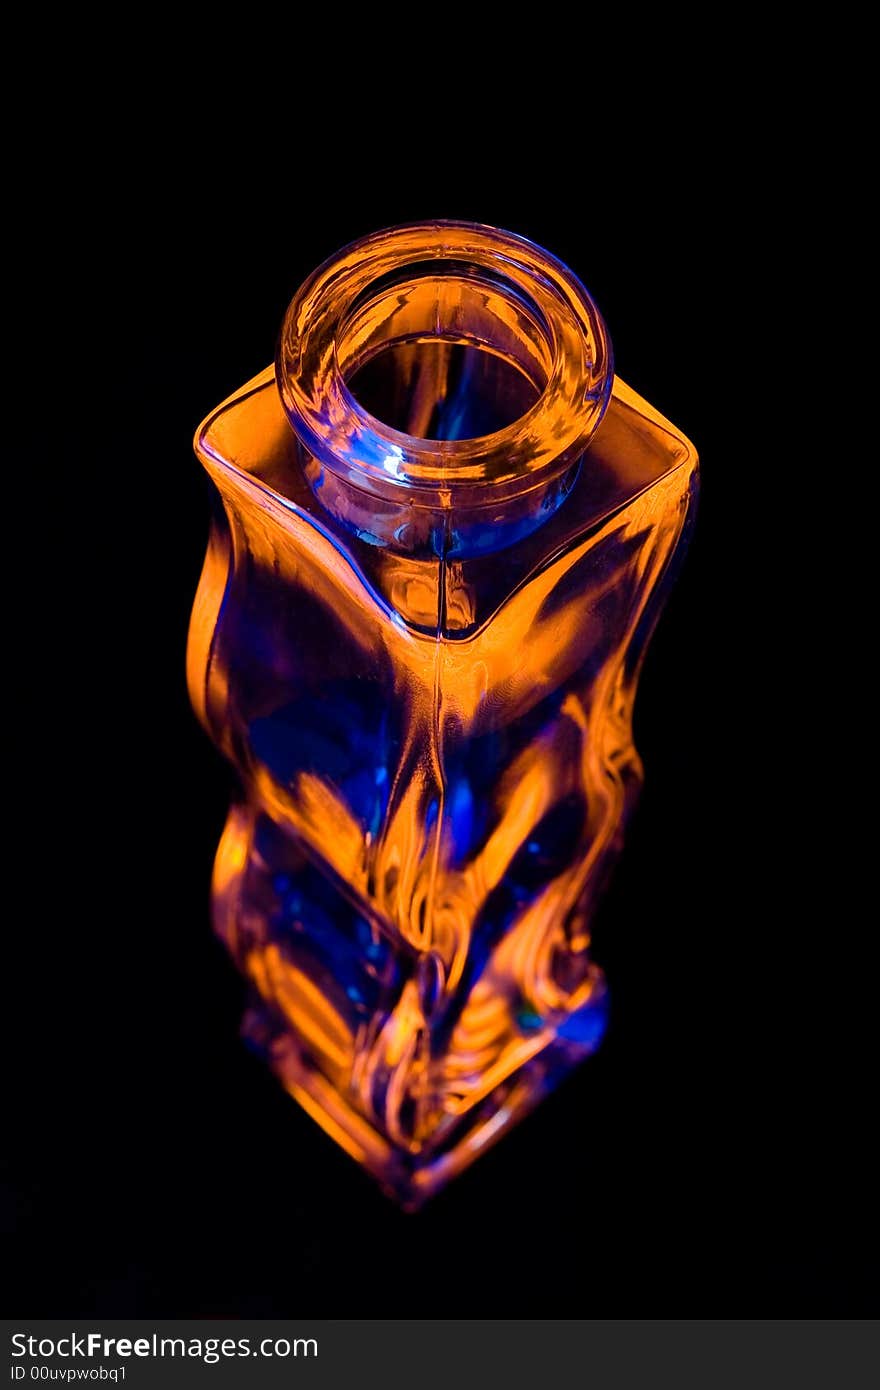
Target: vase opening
x=445, y=350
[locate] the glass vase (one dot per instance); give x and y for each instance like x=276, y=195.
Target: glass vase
x=442, y=536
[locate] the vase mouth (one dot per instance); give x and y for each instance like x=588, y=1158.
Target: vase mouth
x=440, y=288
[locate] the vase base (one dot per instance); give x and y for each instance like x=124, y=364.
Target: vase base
x=410, y=1176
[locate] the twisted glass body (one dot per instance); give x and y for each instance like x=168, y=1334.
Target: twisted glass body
x=442, y=536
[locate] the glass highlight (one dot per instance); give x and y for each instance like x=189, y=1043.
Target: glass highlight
x=443, y=533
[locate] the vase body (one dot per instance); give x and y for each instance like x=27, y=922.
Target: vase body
x=443, y=531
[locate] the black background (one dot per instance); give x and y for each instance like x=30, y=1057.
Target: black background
x=707, y=1161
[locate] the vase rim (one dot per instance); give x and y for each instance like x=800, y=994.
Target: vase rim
x=335, y=428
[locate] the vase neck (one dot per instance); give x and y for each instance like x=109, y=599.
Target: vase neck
x=443, y=380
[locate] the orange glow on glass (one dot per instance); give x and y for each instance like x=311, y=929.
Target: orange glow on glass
x=445, y=531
